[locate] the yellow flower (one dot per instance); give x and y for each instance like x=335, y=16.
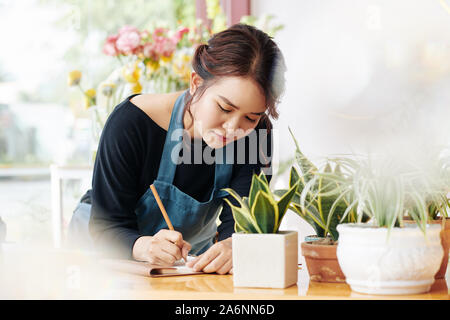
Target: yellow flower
x=132, y=73
x=181, y=66
x=165, y=59
x=137, y=88
x=90, y=93
x=152, y=66
x=108, y=89
x=74, y=78
x=89, y=98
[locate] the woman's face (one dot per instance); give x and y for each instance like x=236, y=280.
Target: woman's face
x=227, y=111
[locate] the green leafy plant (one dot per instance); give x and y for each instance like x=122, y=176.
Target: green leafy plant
x=387, y=189
x=438, y=207
x=260, y=212
x=320, y=199
x=435, y=180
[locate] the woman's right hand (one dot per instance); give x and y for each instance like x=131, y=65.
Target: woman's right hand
x=164, y=248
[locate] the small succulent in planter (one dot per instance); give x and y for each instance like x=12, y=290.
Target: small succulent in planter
x=258, y=240
x=260, y=212
x=320, y=202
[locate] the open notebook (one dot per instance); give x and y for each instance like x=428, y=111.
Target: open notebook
x=146, y=269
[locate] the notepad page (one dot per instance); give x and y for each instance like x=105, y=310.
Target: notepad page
x=181, y=262
x=178, y=268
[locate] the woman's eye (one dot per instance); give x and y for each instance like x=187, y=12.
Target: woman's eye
x=224, y=110
x=228, y=111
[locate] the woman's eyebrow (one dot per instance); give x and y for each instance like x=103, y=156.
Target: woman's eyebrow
x=236, y=107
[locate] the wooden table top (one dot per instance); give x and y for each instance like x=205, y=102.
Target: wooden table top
x=56, y=275
x=220, y=287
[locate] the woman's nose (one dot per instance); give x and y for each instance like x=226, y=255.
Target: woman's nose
x=231, y=125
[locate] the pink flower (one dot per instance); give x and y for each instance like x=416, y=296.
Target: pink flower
x=129, y=40
x=145, y=34
x=127, y=29
x=159, y=34
x=138, y=49
x=110, y=48
x=160, y=31
x=165, y=47
x=149, y=51
x=180, y=33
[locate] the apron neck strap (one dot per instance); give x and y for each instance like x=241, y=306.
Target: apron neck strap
x=173, y=142
x=224, y=167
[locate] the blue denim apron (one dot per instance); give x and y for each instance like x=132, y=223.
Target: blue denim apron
x=194, y=219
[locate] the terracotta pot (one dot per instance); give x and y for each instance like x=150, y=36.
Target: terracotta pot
x=445, y=240
x=322, y=262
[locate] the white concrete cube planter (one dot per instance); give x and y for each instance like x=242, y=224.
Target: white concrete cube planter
x=404, y=263
x=265, y=260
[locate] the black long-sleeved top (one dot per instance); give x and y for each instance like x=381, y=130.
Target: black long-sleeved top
x=127, y=163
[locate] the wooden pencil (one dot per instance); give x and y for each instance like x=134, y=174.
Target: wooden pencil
x=161, y=207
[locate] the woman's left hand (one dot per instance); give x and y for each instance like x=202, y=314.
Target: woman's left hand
x=217, y=259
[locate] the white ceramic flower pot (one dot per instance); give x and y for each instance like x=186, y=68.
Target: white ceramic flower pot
x=265, y=260
x=403, y=264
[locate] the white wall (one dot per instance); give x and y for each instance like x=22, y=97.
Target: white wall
x=362, y=75
x=361, y=72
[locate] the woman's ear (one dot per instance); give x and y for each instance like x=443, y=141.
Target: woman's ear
x=196, y=81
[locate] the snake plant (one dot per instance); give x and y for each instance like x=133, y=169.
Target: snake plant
x=319, y=199
x=260, y=212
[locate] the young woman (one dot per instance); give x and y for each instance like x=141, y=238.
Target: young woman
x=235, y=84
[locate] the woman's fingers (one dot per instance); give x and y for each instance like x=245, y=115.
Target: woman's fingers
x=226, y=267
x=171, y=242
x=191, y=263
x=215, y=264
x=185, y=249
x=205, y=259
x=218, y=258
x=172, y=236
x=165, y=258
x=172, y=249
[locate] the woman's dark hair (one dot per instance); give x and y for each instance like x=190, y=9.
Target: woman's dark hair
x=242, y=51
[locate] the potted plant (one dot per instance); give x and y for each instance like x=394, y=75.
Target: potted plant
x=437, y=203
x=319, y=202
x=386, y=256
x=263, y=256
x=438, y=214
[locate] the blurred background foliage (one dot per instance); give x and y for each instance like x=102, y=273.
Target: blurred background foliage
x=88, y=23
x=46, y=40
